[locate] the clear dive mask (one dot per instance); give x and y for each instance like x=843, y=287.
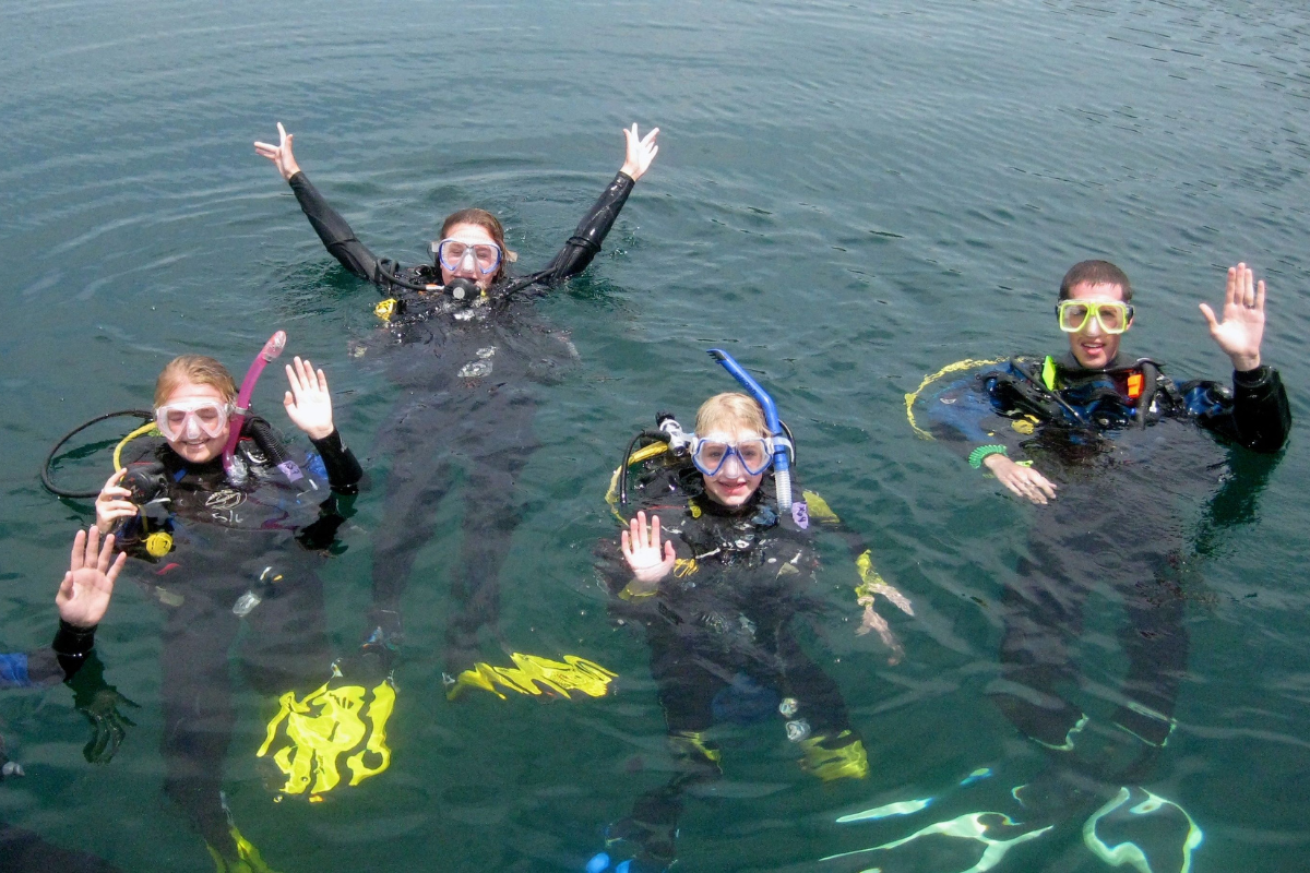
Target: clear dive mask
x=1113, y=316
x=189, y=419
x=715, y=452
x=469, y=258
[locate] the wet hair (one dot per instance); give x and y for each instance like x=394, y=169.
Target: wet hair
x=730, y=412
x=488, y=222
x=197, y=369
x=1096, y=273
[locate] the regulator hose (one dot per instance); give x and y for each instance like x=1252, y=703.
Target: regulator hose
x=46, y=478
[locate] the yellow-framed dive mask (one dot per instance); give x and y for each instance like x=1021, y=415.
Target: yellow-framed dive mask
x=1113, y=316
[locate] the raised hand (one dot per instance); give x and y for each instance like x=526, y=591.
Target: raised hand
x=1243, y=327
x=308, y=402
x=641, y=152
x=641, y=549
x=280, y=154
x=88, y=585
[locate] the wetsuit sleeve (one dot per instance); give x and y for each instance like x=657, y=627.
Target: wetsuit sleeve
x=1257, y=415
x=337, y=236
x=58, y=663
x=343, y=469
x=968, y=416
x=586, y=241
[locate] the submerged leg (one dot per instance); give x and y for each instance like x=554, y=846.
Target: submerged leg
x=198, y=714
x=1041, y=614
x=493, y=508
x=419, y=479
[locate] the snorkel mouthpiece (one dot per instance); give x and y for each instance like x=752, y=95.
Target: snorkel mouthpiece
x=781, y=460
x=276, y=343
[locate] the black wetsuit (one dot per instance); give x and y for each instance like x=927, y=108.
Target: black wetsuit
x=722, y=644
x=465, y=371
x=1129, y=451
x=22, y=851
x=267, y=537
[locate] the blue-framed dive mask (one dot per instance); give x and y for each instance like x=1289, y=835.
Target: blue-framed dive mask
x=476, y=258
x=715, y=452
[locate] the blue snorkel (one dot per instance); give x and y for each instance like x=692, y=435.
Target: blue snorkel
x=781, y=459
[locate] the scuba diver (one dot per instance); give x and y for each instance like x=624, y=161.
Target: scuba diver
x=467, y=346
x=717, y=565
x=229, y=530
x=1112, y=452
x=82, y=600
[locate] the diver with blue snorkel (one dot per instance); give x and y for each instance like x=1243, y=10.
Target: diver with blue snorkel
x=716, y=565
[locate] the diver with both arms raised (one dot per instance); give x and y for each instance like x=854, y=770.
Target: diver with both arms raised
x=466, y=345
x=232, y=528
x=717, y=566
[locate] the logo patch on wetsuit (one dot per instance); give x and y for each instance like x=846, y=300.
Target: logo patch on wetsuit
x=225, y=499
x=800, y=513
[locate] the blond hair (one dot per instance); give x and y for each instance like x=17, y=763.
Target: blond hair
x=730, y=412
x=197, y=369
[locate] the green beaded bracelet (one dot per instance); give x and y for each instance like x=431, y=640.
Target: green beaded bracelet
x=977, y=455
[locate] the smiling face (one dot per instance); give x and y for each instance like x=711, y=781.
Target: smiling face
x=194, y=421
x=467, y=268
x=1092, y=347
x=732, y=485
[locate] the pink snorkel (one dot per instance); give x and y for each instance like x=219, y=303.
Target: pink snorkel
x=271, y=350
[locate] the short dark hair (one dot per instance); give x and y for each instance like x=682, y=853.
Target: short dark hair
x=1096, y=273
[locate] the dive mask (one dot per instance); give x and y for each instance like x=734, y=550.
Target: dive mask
x=457, y=256
x=1113, y=316
x=712, y=453
x=188, y=419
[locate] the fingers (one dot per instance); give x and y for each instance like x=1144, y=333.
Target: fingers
x=1030, y=485
x=113, y=481
x=670, y=554
x=282, y=134
x=65, y=592
x=650, y=137
x=1209, y=316
x=78, y=560
x=1044, y=486
x=1260, y=296
x=111, y=574
x=305, y=378
x=105, y=556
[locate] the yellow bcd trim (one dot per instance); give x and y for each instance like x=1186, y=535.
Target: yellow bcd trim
x=645, y=453
x=385, y=309
x=819, y=509
x=966, y=364
x=531, y=673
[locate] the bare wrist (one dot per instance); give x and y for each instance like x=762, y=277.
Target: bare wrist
x=1245, y=363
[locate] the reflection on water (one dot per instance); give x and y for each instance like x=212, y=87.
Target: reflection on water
x=846, y=198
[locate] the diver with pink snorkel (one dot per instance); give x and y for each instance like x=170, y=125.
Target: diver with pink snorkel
x=231, y=530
